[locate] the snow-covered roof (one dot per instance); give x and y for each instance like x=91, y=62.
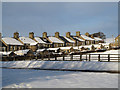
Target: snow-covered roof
x=6, y=53
x=71, y=41
x=79, y=39
x=63, y=48
x=21, y=52
x=27, y=40
x=39, y=40
x=11, y=41
x=40, y=50
x=55, y=40
x=52, y=48
x=97, y=39
x=86, y=37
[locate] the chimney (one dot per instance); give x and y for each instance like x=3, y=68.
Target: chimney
x=87, y=34
x=78, y=33
x=31, y=35
x=44, y=34
x=68, y=34
x=92, y=36
x=16, y=35
x=57, y=34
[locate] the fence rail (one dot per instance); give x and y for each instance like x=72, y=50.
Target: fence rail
x=80, y=57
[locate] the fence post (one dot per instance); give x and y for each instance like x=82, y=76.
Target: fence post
x=99, y=57
x=42, y=56
x=63, y=57
x=71, y=57
x=108, y=57
x=80, y=57
x=89, y=57
x=48, y=56
x=86, y=57
x=55, y=57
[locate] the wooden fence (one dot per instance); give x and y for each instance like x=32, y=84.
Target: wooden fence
x=80, y=57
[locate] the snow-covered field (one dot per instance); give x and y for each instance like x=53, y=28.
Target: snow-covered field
x=71, y=65
x=29, y=78
x=20, y=78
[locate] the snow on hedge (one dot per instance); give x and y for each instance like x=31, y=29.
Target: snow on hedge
x=72, y=65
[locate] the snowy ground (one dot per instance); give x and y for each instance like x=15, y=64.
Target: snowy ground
x=24, y=78
x=20, y=78
x=71, y=65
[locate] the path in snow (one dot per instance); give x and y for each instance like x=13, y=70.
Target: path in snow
x=19, y=78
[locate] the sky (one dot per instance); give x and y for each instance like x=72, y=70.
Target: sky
x=62, y=17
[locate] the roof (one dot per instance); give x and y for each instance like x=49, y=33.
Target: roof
x=62, y=38
x=6, y=53
x=97, y=39
x=71, y=41
x=39, y=40
x=41, y=50
x=27, y=40
x=55, y=40
x=79, y=39
x=45, y=40
x=86, y=37
x=11, y=41
x=22, y=52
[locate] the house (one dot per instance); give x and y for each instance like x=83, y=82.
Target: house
x=67, y=41
x=55, y=41
x=28, y=42
x=41, y=43
x=117, y=41
x=68, y=49
x=11, y=44
x=77, y=40
x=86, y=38
x=100, y=35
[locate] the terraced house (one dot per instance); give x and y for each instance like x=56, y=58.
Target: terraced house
x=67, y=41
x=41, y=42
x=52, y=39
x=28, y=42
x=10, y=44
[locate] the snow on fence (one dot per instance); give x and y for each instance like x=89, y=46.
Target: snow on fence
x=80, y=57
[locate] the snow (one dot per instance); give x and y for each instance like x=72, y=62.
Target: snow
x=55, y=40
x=53, y=49
x=79, y=39
x=21, y=52
x=40, y=50
x=39, y=40
x=11, y=41
x=71, y=41
x=21, y=78
x=6, y=53
x=87, y=38
x=97, y=39
x=72, y=65
x=27, y=40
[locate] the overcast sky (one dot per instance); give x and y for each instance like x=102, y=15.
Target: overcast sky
x=62, y=17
